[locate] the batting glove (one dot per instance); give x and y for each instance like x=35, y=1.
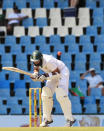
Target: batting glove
x=35, y=75
x=42, y=78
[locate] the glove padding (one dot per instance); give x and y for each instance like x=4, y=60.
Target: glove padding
x=34, y=75
x=38, y=77
x=42, y=77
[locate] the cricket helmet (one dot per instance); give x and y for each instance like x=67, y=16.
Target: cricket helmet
x=36, y=56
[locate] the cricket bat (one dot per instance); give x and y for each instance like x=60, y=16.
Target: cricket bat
x=29, y=74
x=21, y=71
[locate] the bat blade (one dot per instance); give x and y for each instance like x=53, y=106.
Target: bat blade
x=17, y=70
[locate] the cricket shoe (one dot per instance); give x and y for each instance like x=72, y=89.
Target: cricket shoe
x=45, y=123
x=70, y=123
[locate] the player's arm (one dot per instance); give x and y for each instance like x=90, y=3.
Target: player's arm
x=52, y=75
x=35, y=73
x=56, y=71
x=55, y=74
x=36, y=69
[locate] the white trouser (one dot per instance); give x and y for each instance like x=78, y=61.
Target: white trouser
x=60, y=87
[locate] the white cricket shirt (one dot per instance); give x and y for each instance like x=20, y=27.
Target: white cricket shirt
x=50, y=64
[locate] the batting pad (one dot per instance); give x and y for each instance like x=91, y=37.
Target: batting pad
x=47, y=103
x=64, y=103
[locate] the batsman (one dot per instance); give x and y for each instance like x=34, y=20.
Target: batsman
x=58, y=83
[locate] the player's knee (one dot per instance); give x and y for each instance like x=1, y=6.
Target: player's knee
x=60, y=92
x=61, y=98
x=61, y=95
x=47, y=99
